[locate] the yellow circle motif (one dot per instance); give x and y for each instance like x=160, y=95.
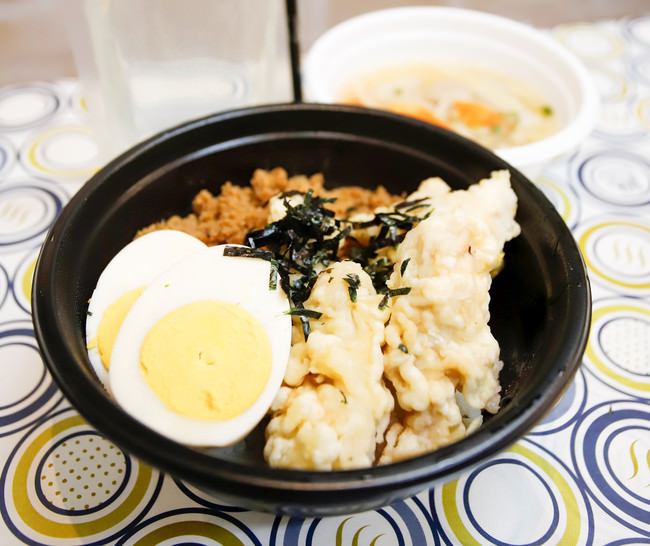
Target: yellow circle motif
x=589, y=42
x=623, y=250
x=451, y=500
x=68, y=142
x=563, y=204
x=26, y=284
x=71, y=526
x=189, y=529
x=598, y=314
x=643, y=111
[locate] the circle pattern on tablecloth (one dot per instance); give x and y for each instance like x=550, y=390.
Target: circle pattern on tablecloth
x=66, y=151
x=21, y=284
x=4, y=285
x=620, y=121
x=191, y=526
x=26, y=106
x=643, y=111
x=77, y=102
x=86, y=456
x=616, y=250
x=542, y=499
x=609, y=437
x=638, y=30
x=405, y=522
x=29, y=395
x=612, y=86
x=44, y=502
x=639, y=67
x=27, y=210
x=413, y=520
x=616, y=177
x=7, y=157
x=566, y=410
x=611, y=450
x=203, y=498
x=618, y=350
x=563, y=197
x=590, y=43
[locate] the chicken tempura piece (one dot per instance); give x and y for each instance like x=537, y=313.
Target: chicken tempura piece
x=438, y=341
x=333, y=406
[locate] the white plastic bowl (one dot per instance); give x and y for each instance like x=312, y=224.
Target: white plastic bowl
x=421, y=34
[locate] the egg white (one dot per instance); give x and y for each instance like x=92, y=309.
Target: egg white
x=207, y=275
x=134, y=266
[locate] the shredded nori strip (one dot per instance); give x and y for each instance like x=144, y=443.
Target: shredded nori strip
x=308, y=239
x=403, y=348
x=402, y=268
x=302, y=242
x=302, y=312
x=273, y=279
x=354, y=282
x=391, y=293
x=306, y=327
x=248, y=252
x=411, y=205
x=399, y=291
x=393, y=227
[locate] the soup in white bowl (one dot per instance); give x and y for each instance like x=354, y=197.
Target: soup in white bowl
x=478, y=45
x=488, y=106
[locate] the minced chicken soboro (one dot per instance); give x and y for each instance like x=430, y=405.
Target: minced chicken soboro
x=229, y=216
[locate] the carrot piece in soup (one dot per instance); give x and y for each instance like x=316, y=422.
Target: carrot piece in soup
x=353, y=101
x=475, y=114
x=417, y=111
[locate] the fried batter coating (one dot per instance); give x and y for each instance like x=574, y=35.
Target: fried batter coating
x=333, y=407
x=438, y=340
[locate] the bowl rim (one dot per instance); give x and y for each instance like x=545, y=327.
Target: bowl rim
x=554, y=145
x=84, y=391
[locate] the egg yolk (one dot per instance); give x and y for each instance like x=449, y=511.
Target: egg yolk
x=111, y=321
x=207, y=360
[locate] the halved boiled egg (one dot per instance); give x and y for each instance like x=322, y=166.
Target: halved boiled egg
x=122, y=281
x=203, y=350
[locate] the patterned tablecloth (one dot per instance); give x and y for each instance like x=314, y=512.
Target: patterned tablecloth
x=582, y=476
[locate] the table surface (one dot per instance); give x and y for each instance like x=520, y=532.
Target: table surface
x=582, y=476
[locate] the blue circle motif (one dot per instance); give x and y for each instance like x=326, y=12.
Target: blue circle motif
x=29, y=407
x=556, y=510
x=602, y=424
x=205, y=502
x=113, y=533
x=52, y=200
x=610, y=360
x=632, y=186
x=45, y=502
x=188, y=512
x=49, y=95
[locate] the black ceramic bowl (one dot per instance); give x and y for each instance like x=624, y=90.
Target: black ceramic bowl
x=540, y=310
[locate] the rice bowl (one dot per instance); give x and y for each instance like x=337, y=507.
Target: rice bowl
x=540, y=310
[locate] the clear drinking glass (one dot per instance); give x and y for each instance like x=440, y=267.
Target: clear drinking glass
x=146, y=65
